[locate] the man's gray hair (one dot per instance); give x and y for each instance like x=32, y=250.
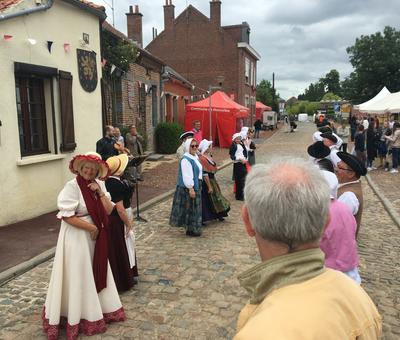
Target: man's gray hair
x=288, y=201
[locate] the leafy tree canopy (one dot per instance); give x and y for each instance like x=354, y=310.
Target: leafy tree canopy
x=330, y=96
x=267, y=95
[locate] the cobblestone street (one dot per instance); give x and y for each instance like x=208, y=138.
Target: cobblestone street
x=188, y=287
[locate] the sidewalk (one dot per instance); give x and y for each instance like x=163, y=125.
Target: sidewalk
x=21, y=241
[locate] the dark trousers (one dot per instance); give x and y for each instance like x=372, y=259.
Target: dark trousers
x=395, y=157
x=344, y=147
x=239, y=172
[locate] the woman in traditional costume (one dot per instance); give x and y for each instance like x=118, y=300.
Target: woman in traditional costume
x=82, y=296
x=214, y=204
x=120, y=232
x=186, y=206
x=238, y=154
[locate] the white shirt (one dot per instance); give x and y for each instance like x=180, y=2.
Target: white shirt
x=239, y=155
x=187, y=170
x=365, y=123
x=333, y=157
x=349, y=198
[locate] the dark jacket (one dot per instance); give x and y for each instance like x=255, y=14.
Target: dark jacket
x=105, y=147
x=359, y=141
x=233, y=149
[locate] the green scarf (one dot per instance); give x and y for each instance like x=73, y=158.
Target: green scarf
x=282, y=271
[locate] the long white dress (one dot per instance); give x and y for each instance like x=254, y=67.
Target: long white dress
x=72, y=300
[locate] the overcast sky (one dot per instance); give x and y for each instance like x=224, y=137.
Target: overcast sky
x=299, y=40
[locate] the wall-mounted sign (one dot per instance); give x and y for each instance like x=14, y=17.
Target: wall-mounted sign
x=85, y=38
x=87, y=69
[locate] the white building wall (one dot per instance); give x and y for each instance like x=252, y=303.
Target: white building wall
x=29, y=190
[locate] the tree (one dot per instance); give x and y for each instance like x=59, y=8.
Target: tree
x=332, y=82
x=376, y=62
x=267, y=95
x=314, y=92
x=330, y=96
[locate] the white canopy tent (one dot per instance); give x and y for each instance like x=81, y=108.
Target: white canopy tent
x=388, y=104
x=364, y=106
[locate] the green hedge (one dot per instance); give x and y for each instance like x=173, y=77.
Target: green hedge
x=167, y=137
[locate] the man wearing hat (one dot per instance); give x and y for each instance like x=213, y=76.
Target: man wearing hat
x=330, y=141
x=348, y=171
x=181, y=150
x=319, y=154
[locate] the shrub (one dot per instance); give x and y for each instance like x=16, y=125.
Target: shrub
x=167, y=137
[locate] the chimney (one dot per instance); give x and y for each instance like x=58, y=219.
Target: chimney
x=215, y=12
x=134, y=22
x=169, y=14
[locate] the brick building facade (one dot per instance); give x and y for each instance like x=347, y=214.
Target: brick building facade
x=133, y=97
x=208, y=54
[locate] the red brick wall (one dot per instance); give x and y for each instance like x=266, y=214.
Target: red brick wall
x=200, y=51
x=175, y=88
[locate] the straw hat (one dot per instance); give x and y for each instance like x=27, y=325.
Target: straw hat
x=76, y=164
x=117, y=164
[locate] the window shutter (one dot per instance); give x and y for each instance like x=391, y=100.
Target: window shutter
x=67, y=112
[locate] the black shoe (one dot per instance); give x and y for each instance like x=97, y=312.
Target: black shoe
x=221, y=219
x=192, y=233
x=240, y=199
x=140, y=179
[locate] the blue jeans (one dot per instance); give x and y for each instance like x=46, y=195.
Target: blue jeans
x=395, y=157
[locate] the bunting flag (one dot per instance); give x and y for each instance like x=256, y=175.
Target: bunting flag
x=162, y=94
x=7, y=37
x=103, y=62
x=49, y=45
x=113, y=67
x=32, y=41
x=146, y=87
x=67, y=47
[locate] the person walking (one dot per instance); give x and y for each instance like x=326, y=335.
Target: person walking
x=395, y=145
x=186, y=206
x=238, y=154
x=257, y=128
x=123, y=266
x=214, y=204
x=353, y=127
x=372, y=143
x=251, y=147
x=359, y=144
x=82, y=296
x=134, y=143
x=286, y=210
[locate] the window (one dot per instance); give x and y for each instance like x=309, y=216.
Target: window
x=175, y=108
x=247, y=70
x=246, y=101
x=31, y=110
x=36, y=111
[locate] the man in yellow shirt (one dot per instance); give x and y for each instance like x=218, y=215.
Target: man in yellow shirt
x=292, y=294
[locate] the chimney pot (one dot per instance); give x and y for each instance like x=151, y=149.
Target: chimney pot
x=134, y=23
x=169, y=14
x=215, y=12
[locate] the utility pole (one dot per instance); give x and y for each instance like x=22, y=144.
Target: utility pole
x=273, y=87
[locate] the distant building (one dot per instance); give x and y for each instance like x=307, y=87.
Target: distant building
x=50, y=99
x=208, y=54
x=291, y=101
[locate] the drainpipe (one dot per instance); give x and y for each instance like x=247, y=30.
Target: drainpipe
x=27, y=11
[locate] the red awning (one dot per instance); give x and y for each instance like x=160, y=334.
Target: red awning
x=260, y=108
x=227, y=116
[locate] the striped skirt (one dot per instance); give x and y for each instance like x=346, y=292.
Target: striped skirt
x=186, y=211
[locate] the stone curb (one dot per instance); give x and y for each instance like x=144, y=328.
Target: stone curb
x=23, y=267
x=386, y=203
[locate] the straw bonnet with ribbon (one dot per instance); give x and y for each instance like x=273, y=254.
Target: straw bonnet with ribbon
x=77, y=162
x=117, y=164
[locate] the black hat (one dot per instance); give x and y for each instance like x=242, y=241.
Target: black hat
x=186, y=135
x=325, y=129
x=318, y=150
x=353, y=162
x=328, y=135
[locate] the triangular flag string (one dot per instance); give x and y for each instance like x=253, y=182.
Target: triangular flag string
x=49, y=45
x=7, y=37
x=67, y=47
x=32, y=41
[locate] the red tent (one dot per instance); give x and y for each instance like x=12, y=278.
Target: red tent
x=227, y=117
x=260, y=108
